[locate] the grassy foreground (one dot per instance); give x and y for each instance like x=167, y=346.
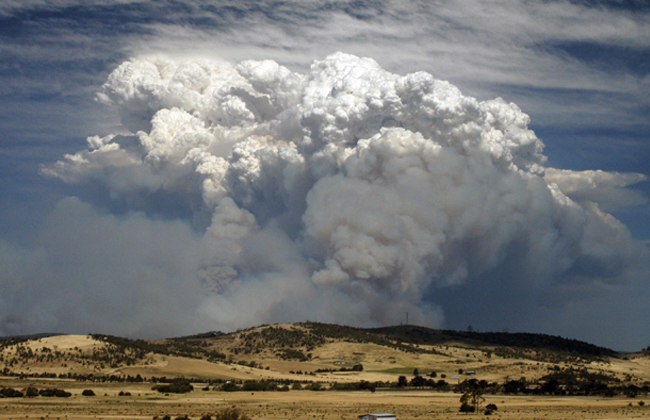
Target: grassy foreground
x=143, y=403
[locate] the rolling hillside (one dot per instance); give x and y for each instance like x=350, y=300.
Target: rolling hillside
x=327, y=353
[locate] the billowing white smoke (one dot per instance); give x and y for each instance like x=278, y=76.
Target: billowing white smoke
x=349, y=194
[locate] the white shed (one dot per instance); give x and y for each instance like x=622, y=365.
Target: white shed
x=377, y=416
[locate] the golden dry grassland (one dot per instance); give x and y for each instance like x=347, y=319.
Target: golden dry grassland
x=143, y=403
x=380, y=363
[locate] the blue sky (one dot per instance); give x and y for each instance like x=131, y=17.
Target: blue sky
x=579, y=69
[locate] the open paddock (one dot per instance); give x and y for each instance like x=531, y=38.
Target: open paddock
x=143, y=403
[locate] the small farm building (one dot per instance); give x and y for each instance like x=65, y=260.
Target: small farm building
x=379, y=416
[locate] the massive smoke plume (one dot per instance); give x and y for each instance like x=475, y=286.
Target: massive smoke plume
x=347, y=194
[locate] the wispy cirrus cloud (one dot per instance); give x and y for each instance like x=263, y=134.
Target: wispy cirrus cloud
x=521, y=50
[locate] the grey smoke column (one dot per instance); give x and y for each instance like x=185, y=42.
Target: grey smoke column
x=347, y=194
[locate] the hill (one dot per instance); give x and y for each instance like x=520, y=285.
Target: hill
x=539, y=342
x=328, y=354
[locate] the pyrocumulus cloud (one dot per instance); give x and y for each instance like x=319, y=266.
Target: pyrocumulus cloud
x=346, y=194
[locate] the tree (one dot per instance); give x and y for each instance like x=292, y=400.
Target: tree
x=370, y=386
x=550, y=387
x=442, y=385
x=31, y=392
x=402, y=382
x=229, y=387
x=472, y=398
x=416, y=372
x=177, y=386
x=418, y=382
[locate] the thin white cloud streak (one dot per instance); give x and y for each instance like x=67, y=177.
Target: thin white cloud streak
x=504, y=48
x=13, y=7
x=485, y=49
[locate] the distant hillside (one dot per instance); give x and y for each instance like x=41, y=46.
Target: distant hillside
x=326, y=353
x=422, y=335
x=407, y=338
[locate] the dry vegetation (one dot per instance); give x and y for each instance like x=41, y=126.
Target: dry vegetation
x=143, y=403
x=525, y=376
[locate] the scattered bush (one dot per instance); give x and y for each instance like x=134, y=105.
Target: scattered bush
x=54, y=392
x=10, y=393
x=231, y=414
x=88, y=393
x=289, y=354
x=229, y=387
x=490, y=409
x=177, y=386
x=354, y=386
x=259, y=386
x=31, y=392
x=466, y=408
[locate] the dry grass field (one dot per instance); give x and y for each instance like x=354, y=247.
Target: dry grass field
x=143, y=403
x=304, y=354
